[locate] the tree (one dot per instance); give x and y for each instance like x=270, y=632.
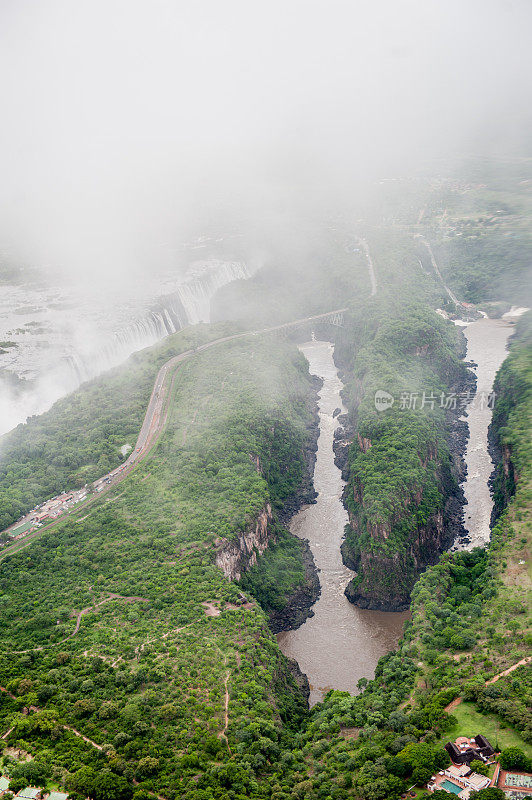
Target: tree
x=491, y=793
x=513, y=758
x=421, y=775
x=479, y=766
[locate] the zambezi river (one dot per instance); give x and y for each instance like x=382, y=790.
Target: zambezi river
x=341, y=643
x=487, y=341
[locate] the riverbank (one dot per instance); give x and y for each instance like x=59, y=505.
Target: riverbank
x=340, y=643
x=487, y=341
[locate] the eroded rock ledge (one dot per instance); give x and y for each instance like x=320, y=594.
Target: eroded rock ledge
x=237, y=556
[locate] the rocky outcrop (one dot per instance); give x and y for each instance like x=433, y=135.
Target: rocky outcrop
x=299, y=677
x=385, y=575
x=299, y=605
x=343, y=439
x=306, y=493
x=384, y=582
x=236, y=556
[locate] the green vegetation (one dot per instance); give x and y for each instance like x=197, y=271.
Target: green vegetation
x=400, y=473
x=470, y=721
x=80, y=438
x=481, y=234
x=145, y=676
x=512, y=415
x=118, y=625
x=278, y=572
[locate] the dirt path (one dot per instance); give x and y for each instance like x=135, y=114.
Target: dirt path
x=509, y=670
x=79, y=617
x=456, y=702
x=81, y=736
x=371, y=267
x=140, y=647
x=66, y=727
x=436, y=269
x=226, y=702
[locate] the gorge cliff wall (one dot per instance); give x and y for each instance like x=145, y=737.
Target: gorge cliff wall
x=237, y=556
x=403, y=466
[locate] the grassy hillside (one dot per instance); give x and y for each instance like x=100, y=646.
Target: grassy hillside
x=80, y=438
x=162, y=636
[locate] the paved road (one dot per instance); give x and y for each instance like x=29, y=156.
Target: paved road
x=436, y=269
x=154, y=422
x=371, y=267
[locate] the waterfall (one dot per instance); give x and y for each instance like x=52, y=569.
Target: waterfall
x=61, y=370
x=189, y=305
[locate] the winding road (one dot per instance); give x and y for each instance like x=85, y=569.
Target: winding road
x=436, y=269
x=154, y=422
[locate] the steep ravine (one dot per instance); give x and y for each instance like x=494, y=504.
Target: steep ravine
x=239, y=555
x=340, y=643
x=487, y=341
x=386, y=574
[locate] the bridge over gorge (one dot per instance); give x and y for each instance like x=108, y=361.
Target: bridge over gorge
x=157, y=411
x=333, y=318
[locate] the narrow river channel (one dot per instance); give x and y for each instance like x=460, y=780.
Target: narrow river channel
x=487, y=341
x=341, y=643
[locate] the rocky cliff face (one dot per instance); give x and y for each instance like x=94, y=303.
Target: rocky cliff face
x=384, y=582
x=299, y=605
x=235, y=557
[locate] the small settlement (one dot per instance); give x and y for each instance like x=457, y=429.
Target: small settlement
x=56, y=506
x=459, y=779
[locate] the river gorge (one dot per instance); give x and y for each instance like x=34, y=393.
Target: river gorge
x=342, y=643
x=487, y=341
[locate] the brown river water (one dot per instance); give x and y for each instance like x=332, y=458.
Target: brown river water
x=487, y=341
x=342, y=643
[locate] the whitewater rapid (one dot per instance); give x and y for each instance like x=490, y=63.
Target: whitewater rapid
x=487, y=341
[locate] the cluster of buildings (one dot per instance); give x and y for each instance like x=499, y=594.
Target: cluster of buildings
x=460, y=780
x=46, y=512
x=31, y=792
x=53, y=508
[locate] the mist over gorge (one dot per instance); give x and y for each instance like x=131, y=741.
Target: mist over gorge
x=265, y=400
x=59, y=338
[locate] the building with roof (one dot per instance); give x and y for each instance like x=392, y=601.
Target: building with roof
x=4, y=784
x=30, y=793
x=464, y=750
x=458, y=780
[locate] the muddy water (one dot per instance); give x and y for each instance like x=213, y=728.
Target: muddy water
x=341, y=643
x=486, y=346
